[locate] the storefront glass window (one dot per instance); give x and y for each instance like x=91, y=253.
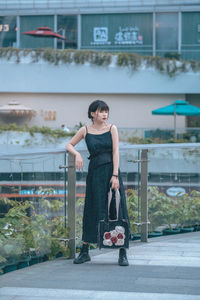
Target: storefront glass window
x=31, y=23
x=166, y=33
x=8, y=31
x=191, y=35
x=67, y=26
x=118, y=32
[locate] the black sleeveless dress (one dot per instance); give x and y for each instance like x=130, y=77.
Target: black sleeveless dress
x=100, y=171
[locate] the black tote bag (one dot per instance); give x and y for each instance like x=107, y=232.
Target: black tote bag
x=113, y=233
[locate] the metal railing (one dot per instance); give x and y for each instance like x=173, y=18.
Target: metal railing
x=163, y=166
x=144, y=161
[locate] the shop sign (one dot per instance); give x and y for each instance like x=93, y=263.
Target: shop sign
x=4, y=27
x=128, y=36
x=39, y=192
x=175, y=191
x=100, y=36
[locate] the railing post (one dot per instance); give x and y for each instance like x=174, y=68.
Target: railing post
x=72, y=204
x=144, y=200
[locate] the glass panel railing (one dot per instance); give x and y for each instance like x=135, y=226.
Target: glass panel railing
x=80, y=197
x=35, y=213
x=130, y=171
x=159, y=135
x=32, y=218
x=174, y=189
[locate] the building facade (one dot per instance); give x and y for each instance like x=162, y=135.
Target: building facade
x=61, y=94
x=156, y=27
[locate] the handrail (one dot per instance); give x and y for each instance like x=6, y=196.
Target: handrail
x=27, y=152
x=40, y=151
x=72, y=182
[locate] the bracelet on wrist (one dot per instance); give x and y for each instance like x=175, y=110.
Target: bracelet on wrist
x=115, y=175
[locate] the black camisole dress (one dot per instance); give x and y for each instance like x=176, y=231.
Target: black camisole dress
x=100, y=171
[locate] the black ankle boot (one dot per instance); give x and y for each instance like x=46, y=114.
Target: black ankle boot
x=122, y=261
x=83, y=255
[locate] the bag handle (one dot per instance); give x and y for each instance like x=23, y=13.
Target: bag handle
x=117, y=199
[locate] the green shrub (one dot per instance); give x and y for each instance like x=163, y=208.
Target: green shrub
x=56, y=133
x=31, y=227
x=167, y=65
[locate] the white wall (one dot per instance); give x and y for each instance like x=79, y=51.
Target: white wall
x=44, y=77
x=69, y=89
x=125, y=110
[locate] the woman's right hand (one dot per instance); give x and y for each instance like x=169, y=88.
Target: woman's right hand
x=78, y=161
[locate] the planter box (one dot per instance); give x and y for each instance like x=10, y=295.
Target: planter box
x=187, y=229
x=135, y=236
x=59, y=255
x=37, y=259
x=22, y=264
x=34, y=260
x=197, y=228
x=10, y=268
x=154, y=234
x=171, y=231
x=1, y=269
x=45, y=258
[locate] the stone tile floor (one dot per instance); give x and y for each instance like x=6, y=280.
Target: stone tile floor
x=165, y=268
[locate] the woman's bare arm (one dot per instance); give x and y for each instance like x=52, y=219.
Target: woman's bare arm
x=72, y=143
x=115, y=142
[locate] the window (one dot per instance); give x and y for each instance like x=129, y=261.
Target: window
x=191, y=35
x=67, y=26
x=29, y=23
x=118, y=32
x=166, y=33
x=8, y=31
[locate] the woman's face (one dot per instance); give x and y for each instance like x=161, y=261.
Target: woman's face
x=100, y=116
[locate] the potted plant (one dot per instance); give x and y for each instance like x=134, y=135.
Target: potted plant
x=46, y=230
x=132, y=207
x=13, y=246
x=159, y=211
x=188, y=211
x=30, y=233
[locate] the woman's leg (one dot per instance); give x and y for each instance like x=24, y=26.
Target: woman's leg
x=122, y=261
x=83, y=255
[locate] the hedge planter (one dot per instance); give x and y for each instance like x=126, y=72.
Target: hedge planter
x=154, y=234
x=45, y=258
x=171, y=231
x=2, y=265
x=135, y=237
x=197, y=228
x=187, y=229
x=35, y=260
x=10, y=268
x=22, y=264
x=60, y=254
x=23, y=261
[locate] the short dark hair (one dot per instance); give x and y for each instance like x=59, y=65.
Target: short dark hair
x=97, y=104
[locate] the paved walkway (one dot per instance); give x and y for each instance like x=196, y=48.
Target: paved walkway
x=165, y=268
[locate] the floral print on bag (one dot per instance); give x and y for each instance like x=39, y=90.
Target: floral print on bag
x=115, y=237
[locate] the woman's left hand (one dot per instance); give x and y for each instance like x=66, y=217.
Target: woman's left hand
x=115, y=183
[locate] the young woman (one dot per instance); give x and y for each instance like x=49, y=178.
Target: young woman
x=103, y=145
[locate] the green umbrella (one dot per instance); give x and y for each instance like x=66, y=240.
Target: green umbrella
x=179, y=107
